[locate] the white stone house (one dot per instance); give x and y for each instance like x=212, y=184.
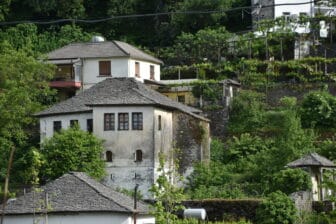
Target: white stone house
x=136, y=123
x=75, y=198
x=81, y=65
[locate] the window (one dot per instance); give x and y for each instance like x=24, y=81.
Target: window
x=152, y=72
x=137, y=69
x=57, y=126
x=138, y=155
x=108, y=121
x=181, y=99
x=109, y=156
x=123, y=121
x=159, y=123
x=137, y=121
x=89, y=125
x=73, y=123
x=104, y=68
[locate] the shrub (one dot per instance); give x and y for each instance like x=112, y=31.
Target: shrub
x=291, y=180
x=276, y=208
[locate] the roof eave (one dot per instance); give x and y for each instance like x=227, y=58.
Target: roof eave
x=62, y=113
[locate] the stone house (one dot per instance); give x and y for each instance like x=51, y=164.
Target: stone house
x=81, y=65
x=75, y=198
x=136, y=123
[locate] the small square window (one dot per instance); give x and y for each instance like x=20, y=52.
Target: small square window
x=181, y=99
x=137, y=69
x=89, y=125
x=73, y=123
x=123, y=121
x=104, y=68
x=137, y=122
x=138, y=155
x=57, y=126
x=159, y=123
x=108, y=121
x=152, y=72
x=109, y=156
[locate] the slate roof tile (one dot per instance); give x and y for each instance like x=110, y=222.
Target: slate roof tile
x=116, y=92
x=74, y=192
x=312, y=159
x=105, y=49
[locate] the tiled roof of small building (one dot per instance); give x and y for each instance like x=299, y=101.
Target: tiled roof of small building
x=312, y=159
x=105, y=49
x=117, y=92
x=73, y=192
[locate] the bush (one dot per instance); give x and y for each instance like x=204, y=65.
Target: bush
x=276, y=208
x=291, y=180
x=72, y=150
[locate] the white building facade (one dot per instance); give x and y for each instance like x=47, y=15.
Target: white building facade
x=136, y=124
x=81, y=65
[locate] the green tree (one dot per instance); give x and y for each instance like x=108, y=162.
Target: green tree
x=167, y=195
x=276, y=208
x=194, y=22
x=28, y=38
x=23, y=91
x=72, y=150
x=319, y=110
x=247, y=112
x=291, y=180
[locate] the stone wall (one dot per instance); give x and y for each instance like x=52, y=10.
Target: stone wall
x=191, y=137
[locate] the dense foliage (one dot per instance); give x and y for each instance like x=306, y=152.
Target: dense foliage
x=277, y=208
x=23, y=91
x=72, y=150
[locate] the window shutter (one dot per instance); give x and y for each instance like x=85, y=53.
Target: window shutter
x=105, y=68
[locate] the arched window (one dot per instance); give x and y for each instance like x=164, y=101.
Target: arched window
x=108, y=156
x=138, y=155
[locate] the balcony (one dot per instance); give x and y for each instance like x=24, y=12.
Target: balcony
x=65, y=77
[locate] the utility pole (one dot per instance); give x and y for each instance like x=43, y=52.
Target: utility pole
x=135, y=203
x=6, y=183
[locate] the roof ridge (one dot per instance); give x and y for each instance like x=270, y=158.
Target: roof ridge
x=315, y=159
x=115, y=42
x=99, y=192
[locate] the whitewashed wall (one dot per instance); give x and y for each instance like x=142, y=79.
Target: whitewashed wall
x=119, y=68
x=47, y=123
x=163, y=139
x=123, y=171
x=78, y=218
x=144, y=70
x=293, y=9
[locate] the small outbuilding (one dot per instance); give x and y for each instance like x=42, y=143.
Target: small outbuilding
x=316, y=165
x=75, y=198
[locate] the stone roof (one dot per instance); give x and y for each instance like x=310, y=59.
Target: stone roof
x=312, y=159
x=117, y=92
x=105, y=49
x=74, y=192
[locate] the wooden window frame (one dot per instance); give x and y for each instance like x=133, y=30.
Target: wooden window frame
x=137, y=69
x=137, y=121
x=109, y=120
x=152, y=72
x=104, y=68
x=123, y=121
